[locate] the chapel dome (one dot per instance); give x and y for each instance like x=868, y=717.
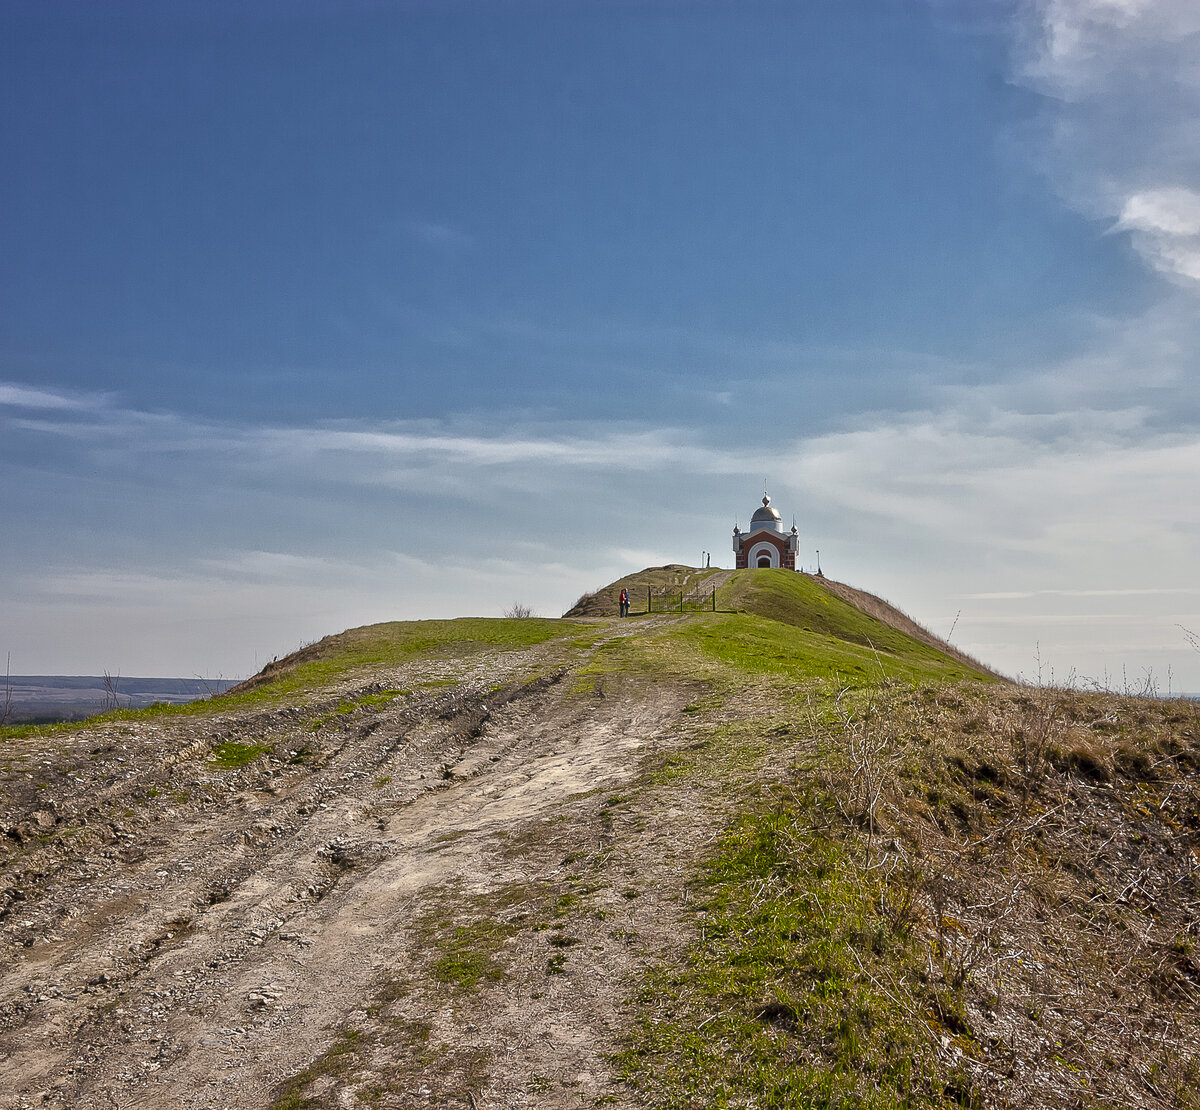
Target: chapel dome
x=766, y=517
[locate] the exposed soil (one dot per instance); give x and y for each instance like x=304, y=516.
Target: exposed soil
x=178, y=933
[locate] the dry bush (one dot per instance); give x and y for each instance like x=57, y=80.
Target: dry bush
x=1045, y=847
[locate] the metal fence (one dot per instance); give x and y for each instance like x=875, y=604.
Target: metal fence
x=676, y=599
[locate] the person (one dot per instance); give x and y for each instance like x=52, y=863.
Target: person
x=624, y=603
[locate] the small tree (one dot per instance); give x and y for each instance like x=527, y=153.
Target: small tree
x=6, y=706
x=112, y=693
x=517, y=609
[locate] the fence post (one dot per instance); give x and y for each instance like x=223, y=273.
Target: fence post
x=649, y=606
x=681, y=601
x=714, y=599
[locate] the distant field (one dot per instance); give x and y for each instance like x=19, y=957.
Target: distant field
x=43, y=698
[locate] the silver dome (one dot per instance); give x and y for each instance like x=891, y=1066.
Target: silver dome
x=766, y=517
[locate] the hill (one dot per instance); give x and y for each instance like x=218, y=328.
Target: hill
x=786, y=854
x=812, y=603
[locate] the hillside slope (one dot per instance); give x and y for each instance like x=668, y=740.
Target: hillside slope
x=798, y=599
x=789, y=856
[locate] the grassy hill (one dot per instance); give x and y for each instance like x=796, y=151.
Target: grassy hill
x=796, y=624
x=794, y=852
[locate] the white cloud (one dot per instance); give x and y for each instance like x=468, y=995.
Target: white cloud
x=1020, y=595
x=1122, y=139
x=18, y=395
x=582, y=447
x=1167, y=212
x=445, y=457
x=1052, y=484
x=1078, y=45
x=1165, y=228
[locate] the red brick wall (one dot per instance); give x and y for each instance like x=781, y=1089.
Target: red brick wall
x=787, y=559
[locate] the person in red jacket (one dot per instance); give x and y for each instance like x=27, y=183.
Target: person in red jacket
x=624, y=603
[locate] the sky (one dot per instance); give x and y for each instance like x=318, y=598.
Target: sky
x=316, y=313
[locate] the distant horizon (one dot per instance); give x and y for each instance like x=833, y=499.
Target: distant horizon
x=37, y=699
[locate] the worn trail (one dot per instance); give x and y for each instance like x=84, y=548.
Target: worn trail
x=214, y=931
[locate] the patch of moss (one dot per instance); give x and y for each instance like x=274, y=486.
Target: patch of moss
x=467, y=954
x=231, y=754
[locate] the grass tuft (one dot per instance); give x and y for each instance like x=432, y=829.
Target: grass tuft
x=231, y=754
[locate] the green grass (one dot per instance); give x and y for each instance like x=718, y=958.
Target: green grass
x=759, y=645
x=231, y=754
x=801, y=601
x=339, y=1060
x=467, y=954
x=345, y=708
x=336, y=657
x=664, y=582
x=804, y=631
x=788, y=630
x=799, y=992
x=397, y=642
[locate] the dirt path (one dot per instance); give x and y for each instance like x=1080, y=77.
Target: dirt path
x=435, y=901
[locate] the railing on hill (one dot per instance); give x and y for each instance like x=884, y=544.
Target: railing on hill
x=678, y=599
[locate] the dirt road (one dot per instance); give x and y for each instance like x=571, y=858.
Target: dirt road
x=431, y=899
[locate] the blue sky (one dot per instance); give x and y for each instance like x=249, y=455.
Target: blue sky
x=322, y=313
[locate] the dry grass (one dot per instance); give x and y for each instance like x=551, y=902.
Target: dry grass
x=1043, y=843
x=955, y=895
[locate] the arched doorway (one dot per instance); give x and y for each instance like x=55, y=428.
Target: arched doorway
x=763, y=555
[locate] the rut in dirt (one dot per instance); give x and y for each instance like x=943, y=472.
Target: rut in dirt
x=211, y=929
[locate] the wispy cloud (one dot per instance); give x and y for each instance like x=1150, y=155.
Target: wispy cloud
x=1021, y=595
x=1084, y=487
x=20, y=396
x=345, y=449
x=437, y=233
x=1165, y=227
x=1122, y=138
x=611, y=448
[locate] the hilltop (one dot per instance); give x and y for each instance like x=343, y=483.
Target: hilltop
x=800, y=600
x=789, y=850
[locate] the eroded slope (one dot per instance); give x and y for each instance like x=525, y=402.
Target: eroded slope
x=197, y=910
